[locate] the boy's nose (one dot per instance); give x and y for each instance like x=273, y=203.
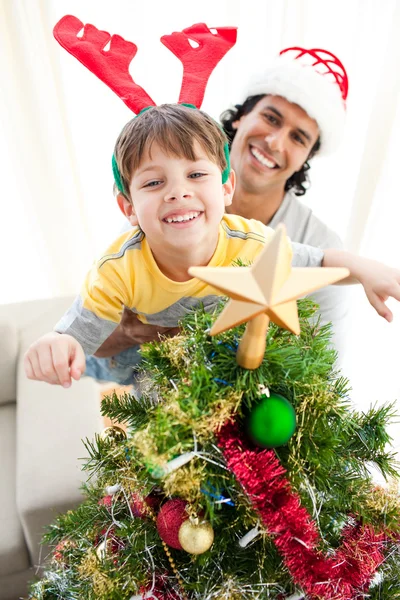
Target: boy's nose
x=177, y=193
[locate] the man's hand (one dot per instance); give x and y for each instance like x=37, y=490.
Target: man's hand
x=55, y=358
x=132, y=332
x=380, y=282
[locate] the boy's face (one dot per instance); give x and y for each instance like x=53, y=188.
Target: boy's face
x=178, y=203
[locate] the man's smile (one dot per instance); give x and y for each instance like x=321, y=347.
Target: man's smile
x=262, y=158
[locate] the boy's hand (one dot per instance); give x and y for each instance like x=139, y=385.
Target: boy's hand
x=55, y=358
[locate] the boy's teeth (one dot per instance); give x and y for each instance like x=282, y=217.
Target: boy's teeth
x=180, y=218
x=262, y=159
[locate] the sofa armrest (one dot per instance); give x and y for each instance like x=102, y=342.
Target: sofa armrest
x=51, y=423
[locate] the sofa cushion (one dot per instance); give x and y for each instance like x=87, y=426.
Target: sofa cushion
x=8, y=361
x=13, y=551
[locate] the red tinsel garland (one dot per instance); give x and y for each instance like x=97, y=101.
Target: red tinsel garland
x=347, y=573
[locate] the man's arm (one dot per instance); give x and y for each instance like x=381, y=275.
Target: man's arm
x=132, y=332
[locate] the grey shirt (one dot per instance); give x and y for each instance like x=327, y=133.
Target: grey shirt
x=304, y=227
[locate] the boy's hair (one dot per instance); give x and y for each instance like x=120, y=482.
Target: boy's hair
x=175, y=128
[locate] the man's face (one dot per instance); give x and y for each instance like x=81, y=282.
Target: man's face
x=272, y=142
x=177, y=202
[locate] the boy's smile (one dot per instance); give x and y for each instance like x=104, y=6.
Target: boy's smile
x=183, y=217
x=179, y=204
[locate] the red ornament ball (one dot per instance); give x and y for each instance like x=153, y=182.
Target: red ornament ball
x=171, y=516
x=113, y=544
x=106, y=501
x=62, y=550
x=138, y=504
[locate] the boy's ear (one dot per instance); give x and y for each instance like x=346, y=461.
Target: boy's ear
x=126, y=207
x=229, y=188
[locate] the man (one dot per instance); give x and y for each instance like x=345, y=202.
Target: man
x=290, y=114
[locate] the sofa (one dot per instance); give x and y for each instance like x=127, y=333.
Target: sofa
x=41, y=432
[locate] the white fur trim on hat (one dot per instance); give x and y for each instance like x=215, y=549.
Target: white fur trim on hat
x=314, y=92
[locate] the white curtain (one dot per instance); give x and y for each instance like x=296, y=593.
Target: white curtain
x=58, y=124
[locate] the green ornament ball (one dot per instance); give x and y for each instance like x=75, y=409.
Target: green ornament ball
x=272, y=422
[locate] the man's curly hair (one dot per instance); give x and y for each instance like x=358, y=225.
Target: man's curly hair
x=299, y=181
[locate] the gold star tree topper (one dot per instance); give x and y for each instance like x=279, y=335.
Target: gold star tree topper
x=266, y=291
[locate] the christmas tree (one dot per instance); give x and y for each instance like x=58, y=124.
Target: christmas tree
x=216, y=492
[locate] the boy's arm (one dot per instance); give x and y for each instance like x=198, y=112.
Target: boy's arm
x=60, y=355
x=379, y=281
x=132, y=332
x=96, y=312
x=89, y=321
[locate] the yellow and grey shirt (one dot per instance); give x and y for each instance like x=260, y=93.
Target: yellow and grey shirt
x=127, y=275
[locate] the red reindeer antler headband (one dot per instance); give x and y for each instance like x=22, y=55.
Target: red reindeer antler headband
x=112, y=65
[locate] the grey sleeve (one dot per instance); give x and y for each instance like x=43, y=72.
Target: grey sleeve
x=87, y=328
x=306, y=256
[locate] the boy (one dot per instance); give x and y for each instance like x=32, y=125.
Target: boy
x=169, y=163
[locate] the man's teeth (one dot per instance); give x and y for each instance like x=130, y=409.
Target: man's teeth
x=263, y=159
x=181, y=218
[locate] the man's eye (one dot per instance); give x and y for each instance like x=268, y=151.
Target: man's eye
x=298, y=139
x=271, y=119
x=196, y=175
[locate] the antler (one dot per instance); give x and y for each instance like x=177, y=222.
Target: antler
x=199, y=63
x=111, y=66
x=339, y=72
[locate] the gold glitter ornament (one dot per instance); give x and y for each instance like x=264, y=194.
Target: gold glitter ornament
x=113, y=434
x=195, y=537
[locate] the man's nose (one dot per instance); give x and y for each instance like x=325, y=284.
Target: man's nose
x=276, y=140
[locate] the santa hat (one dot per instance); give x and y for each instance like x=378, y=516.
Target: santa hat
x=317, y=81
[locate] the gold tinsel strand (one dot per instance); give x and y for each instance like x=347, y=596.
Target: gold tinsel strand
x=186, y=481
x=175, y=350
x=219, y=412
x=89, y=569
x=143, y=441
x=386, y=501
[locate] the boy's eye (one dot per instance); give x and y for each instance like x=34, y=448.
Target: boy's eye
x=196, y=175
x=153, y=183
